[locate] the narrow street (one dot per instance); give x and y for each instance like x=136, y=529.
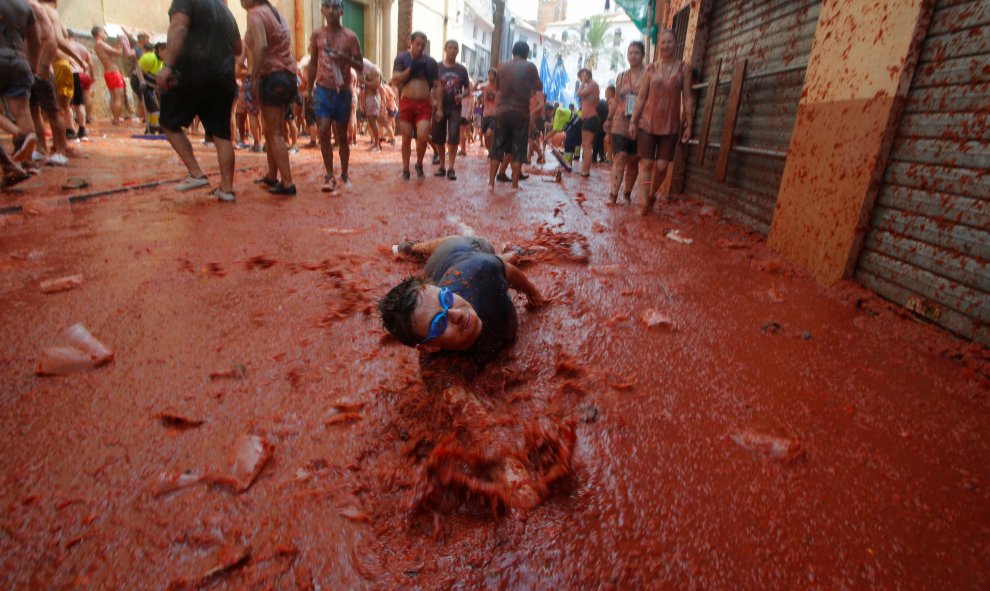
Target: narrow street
x=764, y=433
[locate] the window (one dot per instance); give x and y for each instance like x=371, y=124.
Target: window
x=680, y=26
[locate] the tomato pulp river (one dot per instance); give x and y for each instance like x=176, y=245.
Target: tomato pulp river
x=734, y=425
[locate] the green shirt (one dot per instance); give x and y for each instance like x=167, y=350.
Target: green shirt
x=150, y=64
x=560, y=118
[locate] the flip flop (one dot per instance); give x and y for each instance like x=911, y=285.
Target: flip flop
x=73, y=183
x=9, y=180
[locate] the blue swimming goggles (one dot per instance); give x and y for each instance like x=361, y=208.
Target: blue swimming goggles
x=439, y=322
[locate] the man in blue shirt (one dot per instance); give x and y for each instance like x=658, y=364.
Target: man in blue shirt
x=461, y=302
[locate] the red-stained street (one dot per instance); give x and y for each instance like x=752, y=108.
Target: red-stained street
x=258, y=429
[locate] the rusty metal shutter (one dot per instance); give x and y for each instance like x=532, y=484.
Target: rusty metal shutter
x=928, y=244
x=776, y=37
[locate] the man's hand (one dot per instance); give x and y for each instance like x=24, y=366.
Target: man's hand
x=536, y=302
x=165, y=78
x=686, y=136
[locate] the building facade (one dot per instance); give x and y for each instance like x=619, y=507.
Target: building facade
x=852, y=135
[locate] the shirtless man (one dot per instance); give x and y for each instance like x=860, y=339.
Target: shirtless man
x=108, y=55
x=43, y=99
x=82, y=79
x=418, y=78
x=390, y=104
x=591, y=124
x=489, y=93
x=517, y=80
x=334, y=53
x=373, y=107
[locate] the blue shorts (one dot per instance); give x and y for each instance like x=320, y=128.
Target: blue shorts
x=333, y=104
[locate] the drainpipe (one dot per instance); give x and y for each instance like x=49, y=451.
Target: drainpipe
x=299, y=22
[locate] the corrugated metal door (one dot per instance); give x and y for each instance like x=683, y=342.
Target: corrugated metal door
x=776, y=38
x=928, y=245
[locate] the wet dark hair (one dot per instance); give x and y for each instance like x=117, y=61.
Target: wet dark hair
x=419, y=34
x=585, y=70
x=397, y=307
x=521, y=48
x=96, y=31
x=160, y=46
x=640, y=45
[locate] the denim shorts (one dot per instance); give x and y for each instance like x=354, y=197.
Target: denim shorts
x=333, y=104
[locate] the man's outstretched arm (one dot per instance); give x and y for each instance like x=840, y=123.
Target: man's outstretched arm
x=519, y=282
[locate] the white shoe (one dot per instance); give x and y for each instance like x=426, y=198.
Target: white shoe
x=57, y=160
x=223, y=196
x=37, y=156
x=191, y=182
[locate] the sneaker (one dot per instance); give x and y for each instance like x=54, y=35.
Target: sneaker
x=419, y=171
x=293, y=150
x=26, y=148
x=191, y=182
x=257, y=149
x=223, y=196
x=266, y=181
x=405, y=175
x=440, y=172
x=345, y=182
x=57, y=160
x=436, y=159
x=37, y=156
x=70, y=134
x=241, y=146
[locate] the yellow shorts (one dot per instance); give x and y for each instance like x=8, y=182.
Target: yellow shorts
x=63, y=78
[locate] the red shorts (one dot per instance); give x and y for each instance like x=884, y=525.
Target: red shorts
x=114, y=80
x=85, y=81
x=414, y=111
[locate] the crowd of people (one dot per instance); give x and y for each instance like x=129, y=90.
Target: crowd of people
x=241, y=88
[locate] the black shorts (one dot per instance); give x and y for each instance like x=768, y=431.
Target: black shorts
x=511, y=131
x=77, y=91
x=591, y=125
x=487, y=123
x=277, y=89
x=150, y=98
x=16, y=77
x=656, y=147
x=43, y=95
x=448, y=127
x=212, y=103
x=621, y=143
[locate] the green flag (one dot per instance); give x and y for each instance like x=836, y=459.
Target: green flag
x=641, y=13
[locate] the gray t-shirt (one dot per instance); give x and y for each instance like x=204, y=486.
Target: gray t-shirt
x=208, y=54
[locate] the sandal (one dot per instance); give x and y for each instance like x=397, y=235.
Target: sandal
x=281, y=189
x=451, y=175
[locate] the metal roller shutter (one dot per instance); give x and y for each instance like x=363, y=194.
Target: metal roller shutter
x=776, y=38
x=928, y=244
